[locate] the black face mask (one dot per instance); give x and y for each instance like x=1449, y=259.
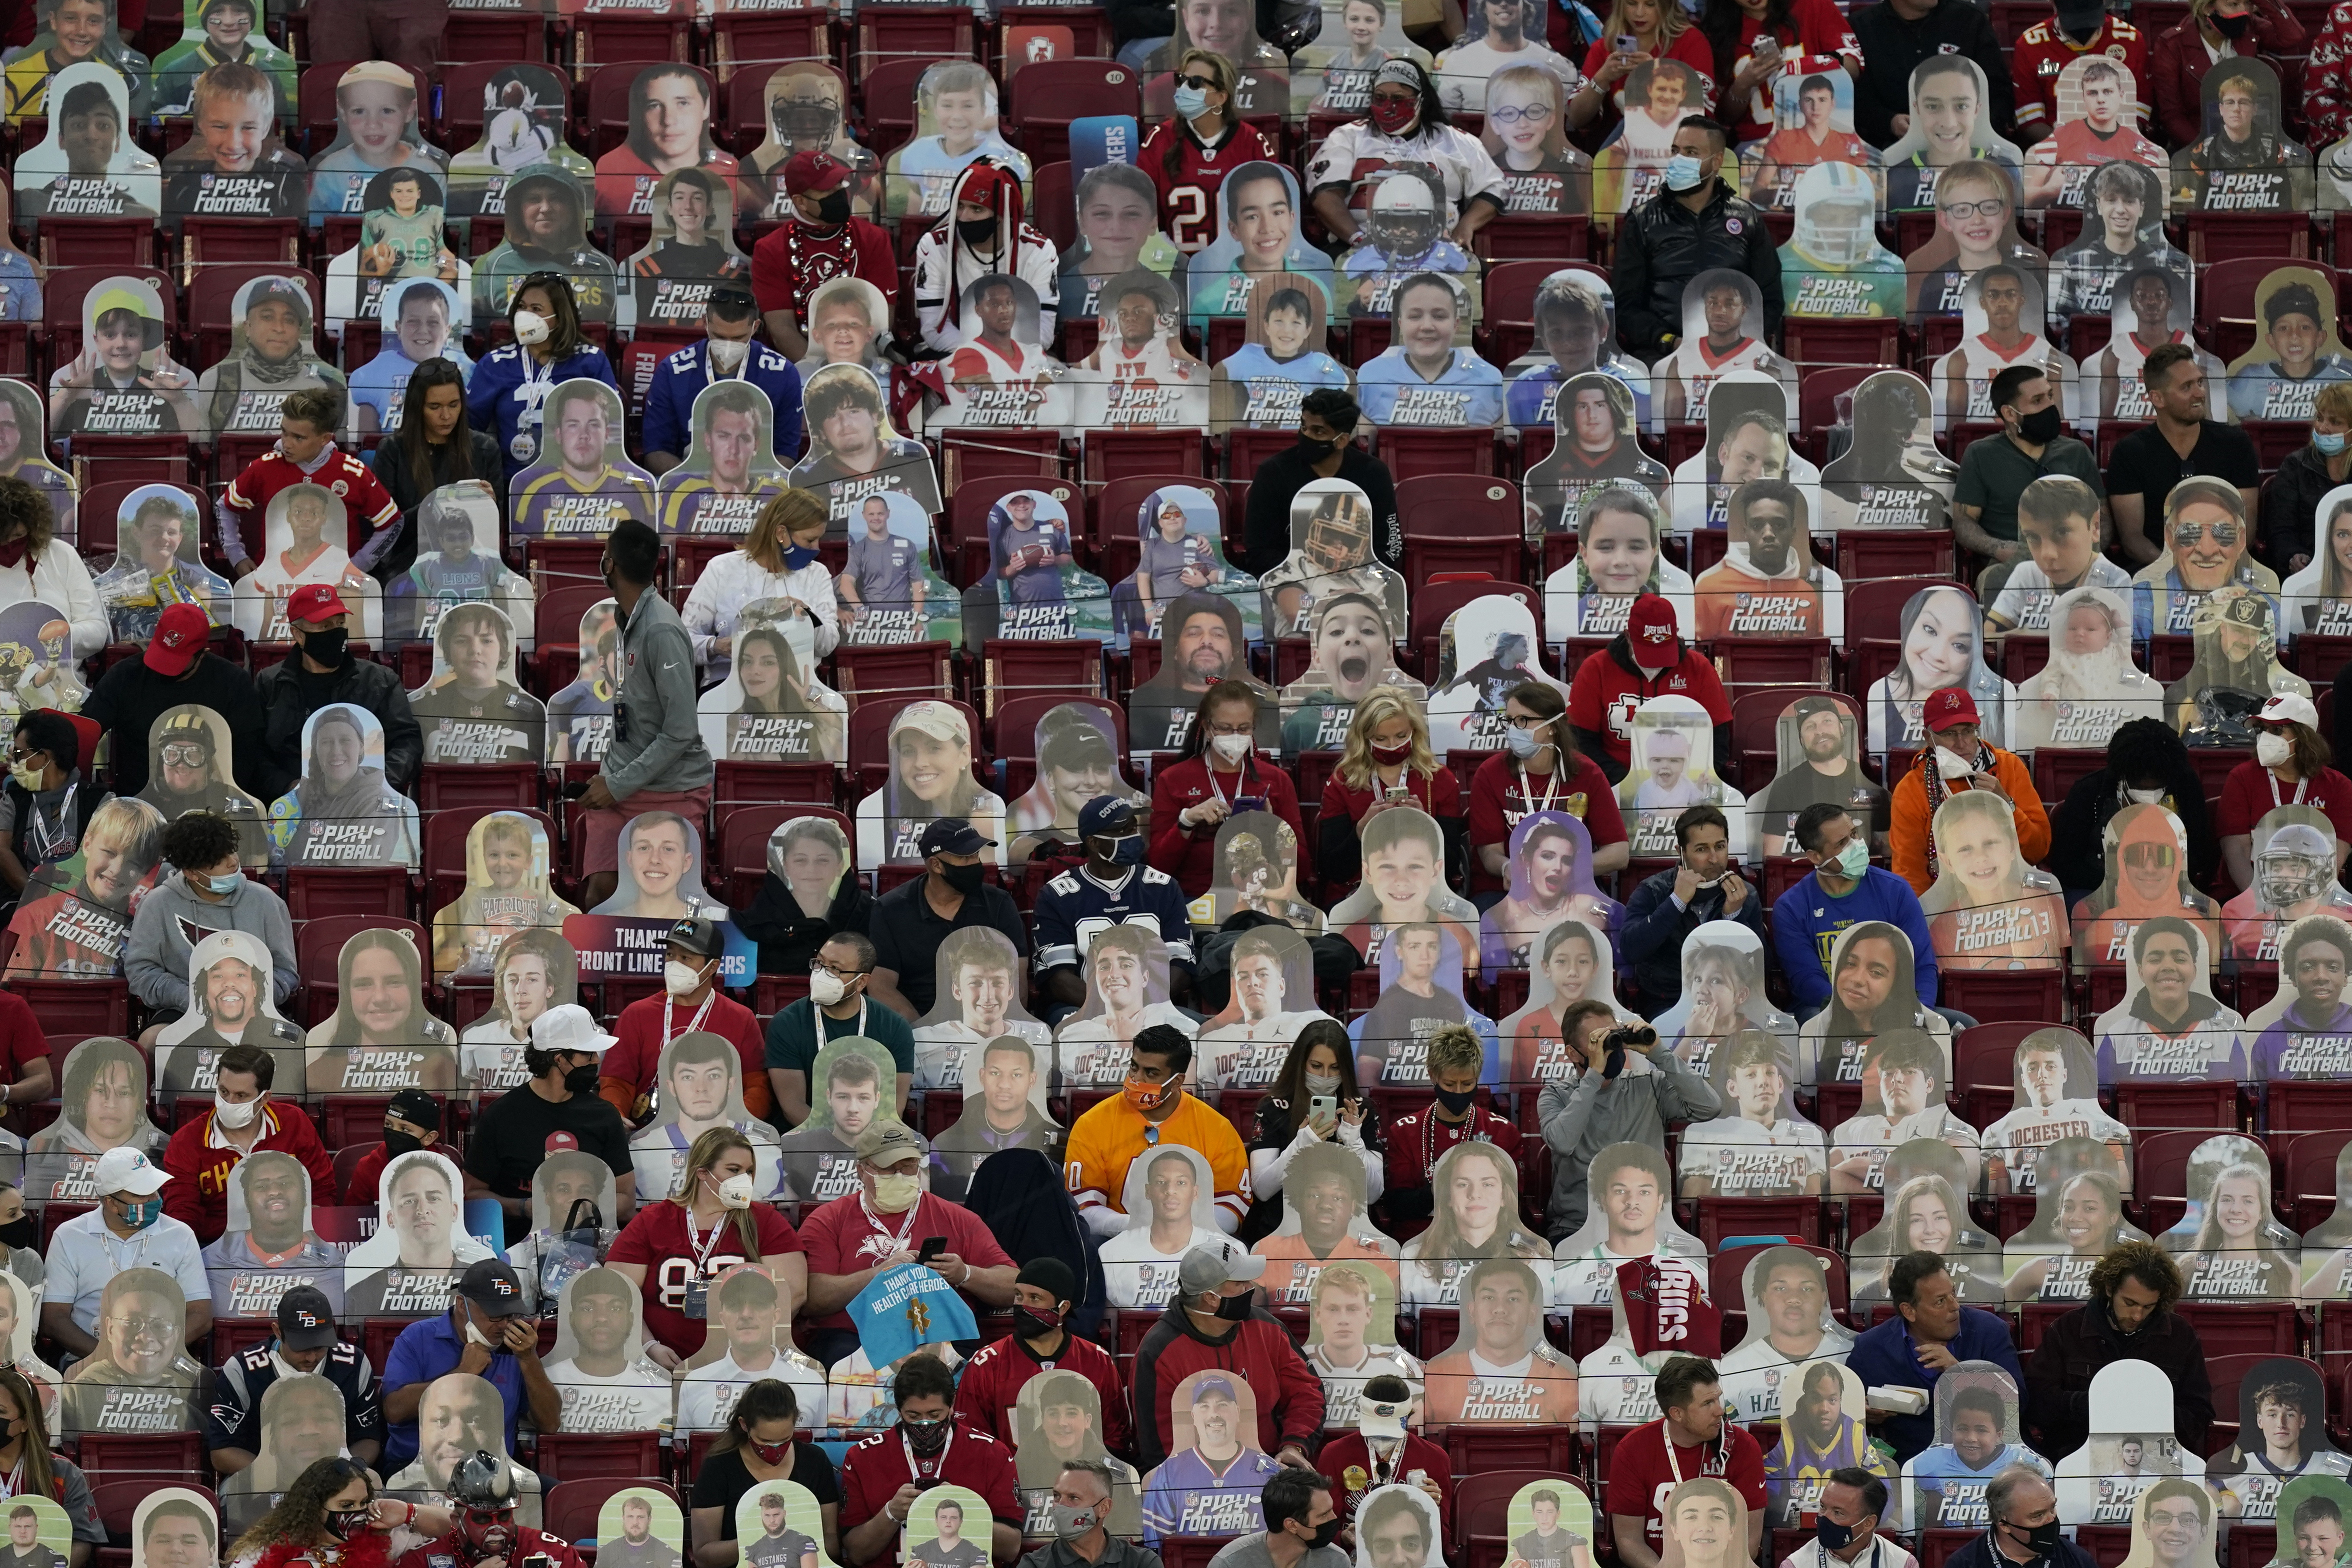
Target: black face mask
x=398, y=1144
x=1315, y=451
x=1236, y=1308
x=2043, y=426
x=2231, y=26
x=582, y=1079
x=832, y=207
x=1029, y=1323
x=965, y=879
x=604, y=570
x=1325, y=1534
x=1456, y=1103
x=327, y=648
x=19, y=1231
x=926, y=1437
x=976, y=232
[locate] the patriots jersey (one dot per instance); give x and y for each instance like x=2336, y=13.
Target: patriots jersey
x=1074, y=906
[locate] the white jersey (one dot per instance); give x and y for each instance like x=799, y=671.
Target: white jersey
x=1749, y=1159
x=706, y=1394
x=1343, y=1386
x=634, y=1399
x=1462, y=72
x=1138, y=1274
x=2018, y=1139
x=1753, y=1373
x=1615, y=1387
x=1246, y=1054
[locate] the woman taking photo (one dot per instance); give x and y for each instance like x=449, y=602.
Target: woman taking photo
x=2290, y=767
x=1539, y=770
x=1661, y=30
x=1750, y=41
x=714, y=1221
x=757, y=1447
x=1385, y=764
x=435, y=445
x=1321, y=1064
x=1188, y=155
x=331, y=1518
x=778, y=561
x=548, y=349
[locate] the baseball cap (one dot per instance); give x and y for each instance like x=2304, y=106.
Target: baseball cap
x=417, y=1107
x=813, y=172
x=128, y=1170
x=1948, y=707
x=180, y=637
x=494, y=1287
x=1222, y=1261
x=569, y=1028
x=952, y=836
x=699, y=937
x=2287, y=707
x=562, y=1143
x=1650, y=627
x=315, y=602
x=1381, y=1415
x=305, y=1320
x=1105, y=816
x=885, y=1143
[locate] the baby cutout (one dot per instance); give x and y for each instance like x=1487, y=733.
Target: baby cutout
x=2229, y=1247
x=2057, y=1089
x=1891, y=476
x=2078, y=1216
x=1926, y=1182
x=1549, y=868
x=1672, y=769
x=1628, y=1214
x=2090, y=688
x=1977, y=1435
x=232, y=1001
x=1723, y=995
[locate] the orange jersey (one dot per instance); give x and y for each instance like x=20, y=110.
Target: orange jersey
x=1292, y=1271
x=2041, y=54
x=1544, y=1393
x=1730, y=602
x=1796, y=149
x=1110, y=1138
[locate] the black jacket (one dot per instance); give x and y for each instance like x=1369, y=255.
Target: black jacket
x=788, y=938
x=2291, y=509
x=2078, y=828
x=130, y=697
x=1892, y=48
x=1652, y=934
x=390, y=466
x=290, y=694
x=1279, y=479
x=2074, y=1349
x=1663, y=245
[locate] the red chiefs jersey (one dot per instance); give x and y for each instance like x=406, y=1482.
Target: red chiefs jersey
x=1602, y=697
x=993, y=1380
x=367, y=505
x=1188, y=199
x=2042, y=53
x=451, y=1551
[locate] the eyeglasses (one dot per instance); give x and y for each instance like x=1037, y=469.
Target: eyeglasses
x=148, y=1328
x=1534, y=113
x=1202, y=84
x=1992, y=208
x=838, y=973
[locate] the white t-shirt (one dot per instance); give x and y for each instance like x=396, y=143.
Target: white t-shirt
x=634, y=1399
x=1137, y=1275
x=1753, y=1373
x=707, y=1395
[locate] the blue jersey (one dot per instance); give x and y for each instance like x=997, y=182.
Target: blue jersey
x=498, y=395
x=1185, y=1497
x=1951, y=1494
x=1535, y=392
x=1075, y=907
x=682, y=376
x=1276, y=387
x=1469, y=393
x=20, y=289
x=2261, y=391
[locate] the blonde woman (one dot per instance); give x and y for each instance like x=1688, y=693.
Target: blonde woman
x=714, y=1220
x=1386, y=762
x=778, y=561
x=930, y=778
x=1660, y=30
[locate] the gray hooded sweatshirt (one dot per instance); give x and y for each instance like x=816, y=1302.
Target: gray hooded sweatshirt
x=171, y=921
x=1581, y=1120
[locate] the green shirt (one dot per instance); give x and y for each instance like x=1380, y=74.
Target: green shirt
x=792, y=1043
x=1994, y=471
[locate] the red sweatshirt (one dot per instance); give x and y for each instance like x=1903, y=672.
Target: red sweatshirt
x=1259, y=1351
x=1348, y=1460
x=199, y=1162
x=992, y=1379
x=1190, y=854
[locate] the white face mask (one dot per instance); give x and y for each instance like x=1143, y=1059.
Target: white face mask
x=530, y=329
x=825, y=989
x=1231, y=747
x=2145, y=797
x=474, y=1335
x=728, y=353
x=680, y=978
x=235, y=1113
x=735, y=1192
x=1952, y=765
x=2272, y=750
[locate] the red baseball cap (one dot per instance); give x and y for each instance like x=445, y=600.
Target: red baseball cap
x=1948, y=707
x=1650, y=628
x=813, y=174
x=180, y=636
x=315, y=602
x=560, y=1143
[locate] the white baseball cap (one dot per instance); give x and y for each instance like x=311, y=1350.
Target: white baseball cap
x=2289, y=707
x=129, y=1170
x=569, y=1028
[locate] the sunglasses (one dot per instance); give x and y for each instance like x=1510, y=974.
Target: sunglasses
x=1203, y=84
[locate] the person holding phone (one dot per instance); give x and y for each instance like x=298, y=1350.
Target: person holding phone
x=1315, y=1100
x=1385, y=763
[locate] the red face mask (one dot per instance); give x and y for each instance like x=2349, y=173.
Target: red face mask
x=1395, y=115
x=773, y=1453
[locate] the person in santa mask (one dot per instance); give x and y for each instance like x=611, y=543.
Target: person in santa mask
x=983, y=234
x=1043, y=1294
x=690, y=1002
x=1694, y=223
x=331, y=1518
x=1958, y=757
x=725, y=352
x=516, y=1130
x=482, y=1524
x=822, y=241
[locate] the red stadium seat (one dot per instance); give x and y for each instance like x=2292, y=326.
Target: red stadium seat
x=1796, y=1217
x=1110, y=454
x=1069, y=667
x=2308, y=1160
x=898, y=674
x=477, y=785
x=1474, y=1449
x=1510, y=329
x=214, y=291
x=1810, y=343
x=1043, y=97
x=1992, y=994
x=913, y=35
x=744, y=832
x=491, y=34
x=318, y=946
x=2182, y=1105
x=2257, y=1329
x=371, y=892
x=1922, y=553
x=1411, y=452
x=2217, y=237
x=68, y=241
x=118, y=1456
x=744, y=42
x=96, y=517
x=1533, y=236
x=87, y=1006
x=596, y=1456
x=231, y=1336
x=570, y=1507
x=1012, y=728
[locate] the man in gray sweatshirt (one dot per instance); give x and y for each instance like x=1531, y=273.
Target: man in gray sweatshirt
x=1632, y=1105
x=656, y=761
x=207, y=893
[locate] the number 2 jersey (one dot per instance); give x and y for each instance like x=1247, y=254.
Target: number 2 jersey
x=1188, y=198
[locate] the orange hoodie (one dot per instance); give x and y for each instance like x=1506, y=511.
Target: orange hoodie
x=1906, y=832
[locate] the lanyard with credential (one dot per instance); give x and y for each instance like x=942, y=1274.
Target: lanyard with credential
x=703, y=1012
x=2300, y=786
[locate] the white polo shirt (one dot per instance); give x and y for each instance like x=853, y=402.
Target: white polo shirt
x=84, y=1255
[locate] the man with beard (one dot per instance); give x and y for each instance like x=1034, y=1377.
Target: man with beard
x=1502, y=1370
x=583, y=493
x=2169, y=1030
x=1210, y=1487
x=473, y=712
x=1249, y=1051
x=89, y=133
x=636, y=1548
x=2045, y=1112
x=778, y=1545
x=1324, y=1188
x=483, y=1487
x=1768, y=583
x=1792, y=1298
x=820, y=240
x=725, y=496
x=1828, y=771
x=2148, y=467
x=1629, y=1184
x=1201, y=643
x=185, y=775
x=606, y=1385
x=2312, y=1038
x=137, y=1378
x=2237, y=657
x=252, y=1269
x=247, y=392
x=233, y=165
x=853, y=451
x=546, y=232
x=1946, y=1482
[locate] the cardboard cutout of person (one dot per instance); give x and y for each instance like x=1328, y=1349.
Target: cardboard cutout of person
x=401, y=240
x=1925, y=1181
x=2237, y=669
x=269, y=1248
x=1619, y=524
x=1550, y=1525
x=1942, y=638
x=2123, y=209
x=661, y=884
x=2150, y=309
x=2298, y=1032
x=1760, y=1148
x=1351, y=1338
x=546, y=207
x=271, y=358
x=1477, y=1219
x=139, y=1379
x=1746, y=440
x=1001, y=376
x=88, y=166
x=1487, y=649
x=583, y=481
x=232, y=1001
x=641, y=1527
x=304, y=529
x=979, y=979
x=2078, y=1216
x=2294, y=878
x=39, y=1534
x=1004, y=1110
x=2311, y=1513
x=1832, y=265
x=1576, y=332
x=671, y=111
x=1704, y=1523
x=1127, y=992
x=1723, y=331
x=1891, y=476
x=508, y=891
x=699, y=1087
x=1629, y=1213
x=1672, y=768
x=1256, y=869
x=1723, y=996
x=380, y=1037
x=1976, y=227
x=1979, y=1435
x=459, y=537
x=1990, y=908
x=1324, y=1221
x=2168, y=1027
x=159, y=561
x=1656, y=98
x=852, y=1083
x=2001, y=318
x=341, y=812
x=222, y=30
x=1659, y=1308
x=1180, y=534
x=1351, y=637
x=1500, y=36
x=464, y=1416
x=955, y=124
x=2146, y=876
x=782, y=1525
x=1421, y=970
x=1567, y=963
x=1170, y=1203
x=2296, y=353
x=1077, y=748
x=124, y=381
x=1259, y=385
x=191, y=767
x=750, y=1339
x=930, y=778
x=73, y=917
x=1260, y=247
x=598, y=1363
x=1789, y=1324
x=70, y=33
x=1822, y=1429
x=853, y=450
x=2326, y=1254
x=1398, y=1525
x=1353, y=40
x=2097, y=123
x=2090, y=688
x=1818, y=742
x=1056, y=1418
x=771, y=705
x=2229, y=1247
x=2058, y=523
x=573, y=1214
x=2244, y=163
x=2207, y=543
x=174, y=1527
x=580, y=716
x=375, y=133
x=1404, y=884
x=2319, y=599
x=1403, y=235
x=890, y=593
x=2056, y=1096
x=1526, y=135
x=691, y=249
x=1812, y=120
x=524, y=113
x=2279, y=1442
x=1245, y=1043
x=1209, y=1484
x=2132, y=1459
x=37, y=665
x=1548, y=870
x=848, y=321
x=1140, y=375
x=731, y=471
x=1332, y=552
x=421, y=1248
x=1906, y=1076
x=806, y=110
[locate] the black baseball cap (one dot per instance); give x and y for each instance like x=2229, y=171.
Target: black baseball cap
x=419, y=1107
x=305, y=1320
x=494, y=1287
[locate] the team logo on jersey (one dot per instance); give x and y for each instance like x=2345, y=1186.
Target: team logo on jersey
x=341, y=486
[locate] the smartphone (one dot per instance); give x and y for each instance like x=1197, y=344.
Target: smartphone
x=1625, y=43
x=932, y=1246
x=1248, y=803
x=1322, y=1105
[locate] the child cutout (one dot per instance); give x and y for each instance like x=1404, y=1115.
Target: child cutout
x=930, y=778
x=598, y=1363
x=2300, y=1035
x=2244, y=163
x=1672, y=769
x=381, y=1037
x=1351, y=640
x=1892, y=477
x=1723, y=331
x=979, y=1002
x=508, y=891
x=124, y=381
x=2056, y=1096
x=2078, y=1218
x=2294, y=878
x=1423, y=380
x=1760, y=1147
x=1118, y=213
x=1657, y=96
x=232, y=1001
x=2001, y=321
x=1619, y=524
x=1576, y=332
x=1057, y=1418
x=955, y=125
x=1549, y=871
x=222, y=30
x=1477, y=1219
x=1977, y=1435
x=1259, y=251
x=1723, y=995
x=1170, y=1203
x=1405, y=883
x=375, y=133
x=2169, y=1028
x=2297, y=353
x=2229, y=1247
x=1706, y=1526
x=233, y=165
x=1822, y=1429
x=459, y=537
x=700, y=1088
x=2090, y=688
x=1487, y=650
x=1260, y=385
x=1629, y=1215
x=139, y=1379
x=103, y=1107
x=1526, y=135
x=1990, y=908
x=2310, y=1511
x=2123, y=235
x=1976, y=227
x=1924, y=1180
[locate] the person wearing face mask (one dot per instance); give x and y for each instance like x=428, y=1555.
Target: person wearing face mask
x=725, y=352
x=174, y=668
x=757, y=1448
x=1649, y=658
x=1846, y=1528
x=329, y=1518
x=690, y=1002
x=508, y=388
x=244, y=1121
x=1842, y=889
x=930, y=1445
x=1385, y=763
x=1217, y=1320
x=1405, y=122
x=488, y=1334
x=512, y=1132
x=208, y=892
x=2033, y=444
x=1326, y=449
x=483, y=1529
x=2292, y=497
x=2146, y=765
x=1540, y=768
x=1044, y=1293
x=1081, y=1512
x=884, y=1223
x=822, y=241
x=839, y=976
x=128, y=1229
x=1382, y=1450
x=307, y=1342
x=1303, y=1524
x=324, y=672
x=1219, y=776
x=1958, y=757
x=44, y=804
x=2292, y=766
x=1113, y=887
x=778, y=561
x=412, y=1121
x=983, y=234
x=2025, y=1531
x=1695, y=223
x=1152, y=1109
x=674, y=1248
x=912, y=919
